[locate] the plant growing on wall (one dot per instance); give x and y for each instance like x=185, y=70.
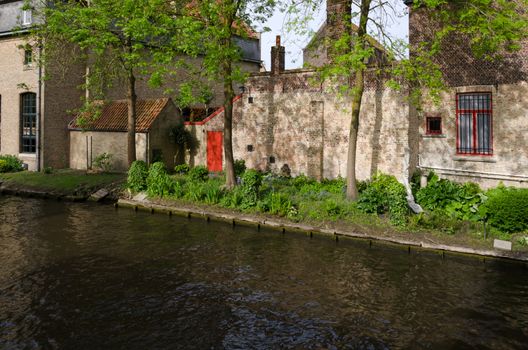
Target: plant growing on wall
x=103, y=162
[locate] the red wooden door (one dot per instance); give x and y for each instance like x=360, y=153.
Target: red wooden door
x=214, y=150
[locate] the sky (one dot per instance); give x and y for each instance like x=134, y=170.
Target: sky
x=398, y=27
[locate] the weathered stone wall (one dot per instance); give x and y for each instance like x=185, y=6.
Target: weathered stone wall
x=296, y=122
x=85, y=146
x=15, y=79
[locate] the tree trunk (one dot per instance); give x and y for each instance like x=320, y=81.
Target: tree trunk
x=357, y=94
x=131, y=104
x=228, y=126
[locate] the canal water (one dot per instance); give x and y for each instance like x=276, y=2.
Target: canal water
x=86, y=276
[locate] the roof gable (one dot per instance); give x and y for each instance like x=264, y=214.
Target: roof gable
x=114, y=115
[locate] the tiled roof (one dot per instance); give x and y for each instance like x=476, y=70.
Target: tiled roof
x=114, y=116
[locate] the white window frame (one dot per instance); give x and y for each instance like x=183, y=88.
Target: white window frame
x=27, y=17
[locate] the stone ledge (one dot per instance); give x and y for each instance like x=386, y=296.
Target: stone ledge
x=441, y=136
x=482, y=159
x=241, y=219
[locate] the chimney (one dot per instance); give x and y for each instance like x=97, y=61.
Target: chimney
x=338, y=19
x=277, y=57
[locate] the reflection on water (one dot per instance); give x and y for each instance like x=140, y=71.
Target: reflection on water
x=83, y=276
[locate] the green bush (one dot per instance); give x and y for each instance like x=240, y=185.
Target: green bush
x=240, y=167
x=251, y=182
x=460, y=201
x=335, y=186
x=181, y=169
x=4, y=167
x=137, y=176
x=177, y=190
x=333, y=208
x=303, y=180
x=199, y=174
x=159, y=182
x=506, y=209
x=9, y=163
x=383, y=193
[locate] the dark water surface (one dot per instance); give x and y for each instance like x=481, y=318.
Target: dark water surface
x=83, y=276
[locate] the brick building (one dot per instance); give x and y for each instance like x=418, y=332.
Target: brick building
x=34, y=113
x=478, y=131
x=475, y=134
x=108, y=134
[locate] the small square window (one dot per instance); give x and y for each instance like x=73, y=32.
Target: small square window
x=433, y=125
x=250, y=148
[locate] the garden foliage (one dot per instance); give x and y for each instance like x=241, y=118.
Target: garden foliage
x=137, y=176
x=103, y=162
x=460, y=201
x=199, y=173
x=181, y=169
x=251, y=182
x=506, y=209
x=159, y=182
x=384, y=194
x=449, y=207
x=240, y=167
x=10, y=164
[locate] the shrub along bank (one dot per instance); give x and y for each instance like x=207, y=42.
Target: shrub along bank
x=10, y=164
x=449, y=208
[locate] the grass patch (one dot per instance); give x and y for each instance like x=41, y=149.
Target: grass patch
x=63, y=181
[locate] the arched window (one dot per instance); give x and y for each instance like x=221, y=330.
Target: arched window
x=28, y=122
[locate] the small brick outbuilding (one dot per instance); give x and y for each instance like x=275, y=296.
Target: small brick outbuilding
x=108, y=134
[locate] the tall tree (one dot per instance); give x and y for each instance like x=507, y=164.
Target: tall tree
x=119, y=40
x=223, y=21
x=492, y=28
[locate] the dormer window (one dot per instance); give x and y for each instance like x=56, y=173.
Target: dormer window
x=27, y=17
